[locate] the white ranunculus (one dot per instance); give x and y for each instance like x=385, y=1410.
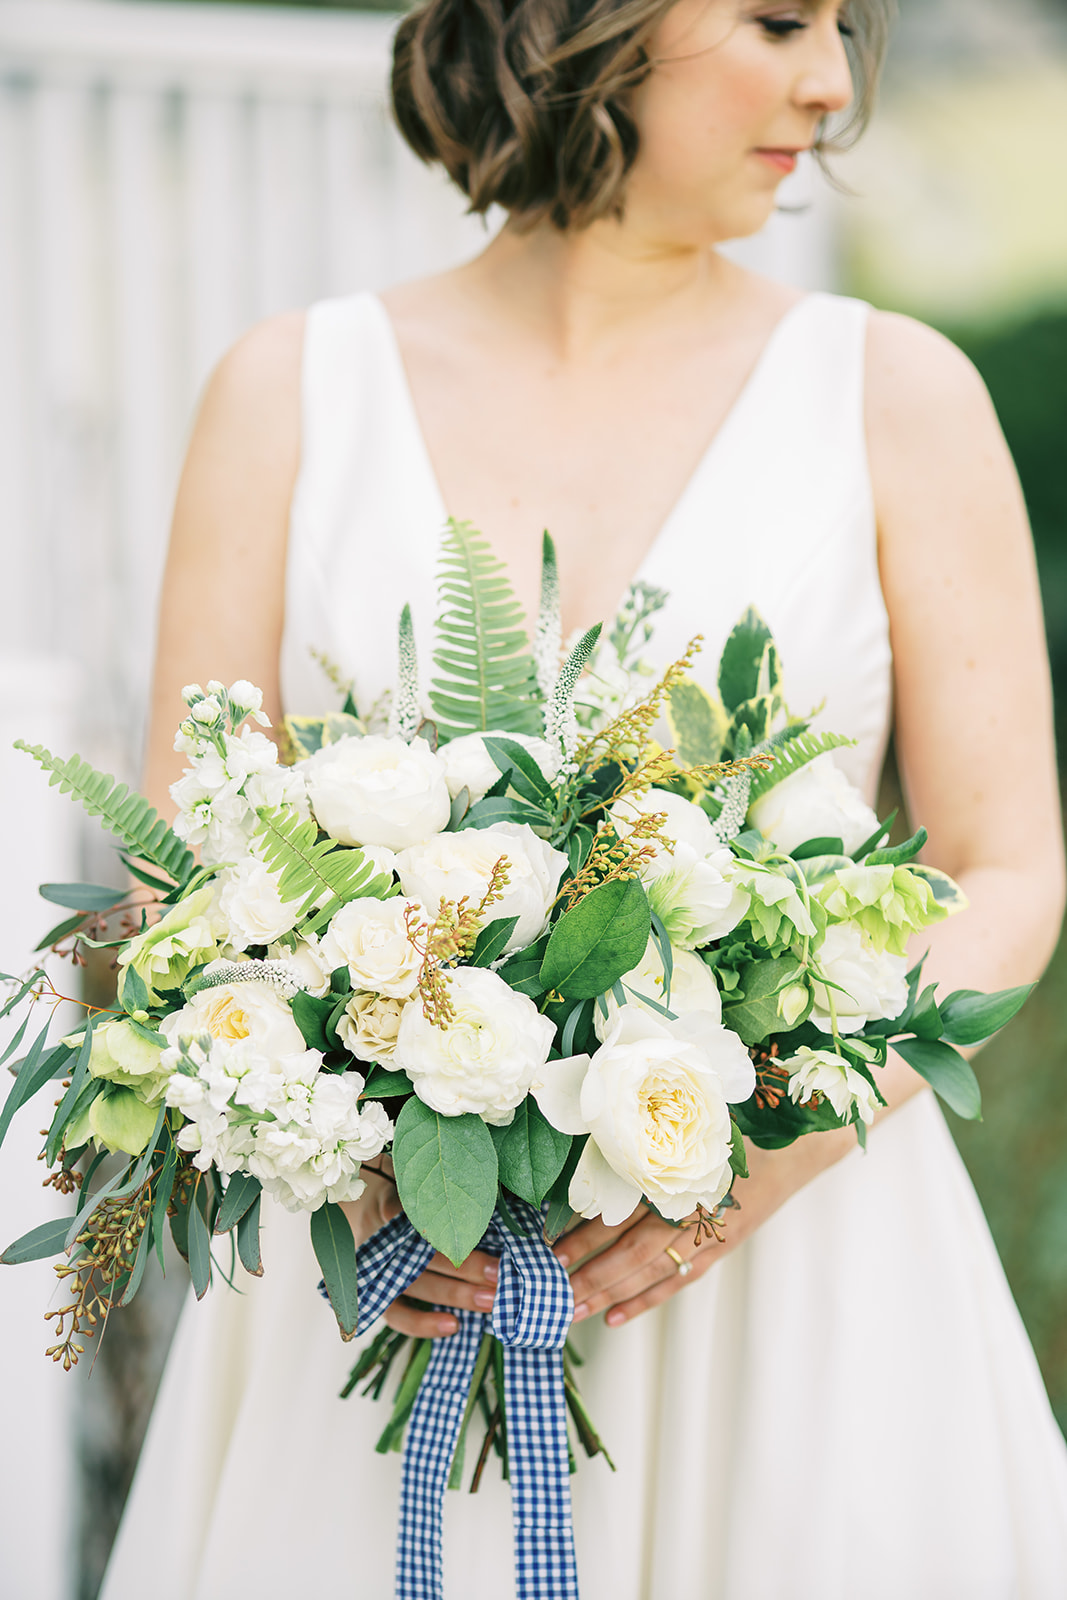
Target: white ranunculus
x=817, y=802
x=251, y=904
x=654, y=1100
x=232, y=1012
x=455, y=865
x=369, y=937
x=369, y=1025
x=468, y=765
x=375, y=790
x=686, y=823
x=485, y=1059
x=826, y=1073
x=693, y=988
x=871, y=984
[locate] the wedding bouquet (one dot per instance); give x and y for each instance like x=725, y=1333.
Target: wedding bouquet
x=508, y=939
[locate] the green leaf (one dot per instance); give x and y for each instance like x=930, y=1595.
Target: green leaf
x=900, y=854
x=460, y=806
x=501, y=808
x=81, y=896
x=335, y=1250
x=742, y=658
x=926, y=1020
x=946, y=891
x=199, y=1246
x=491, y=941
x=738, y=1156
x=487, y=676
x=309, y=734
x=49, y=1239
x=947, y=1072
x=518, y=764
x=522, y=971
x=310, y=869
x=446, y=1175
x=558, y=1214
x=531, y=1153
x=697, y=722
x=60, y=931
x=790, y=755
x=128, y=815
x=756, y=1018
x=600, y=939
x=241, y=1190
x=818, y=847
x=883, y=830
x=140, y=1261
x=164, y=1190
x=248, y=1239
x=311, y=1014
x=384, y=1084
x=34, y=1072
x=971, y=1018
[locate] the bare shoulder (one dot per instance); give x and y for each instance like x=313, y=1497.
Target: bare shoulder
x=258, y=379
x=914, y=373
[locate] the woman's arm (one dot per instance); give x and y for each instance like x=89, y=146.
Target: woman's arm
x=224, y=586
x=974, y=741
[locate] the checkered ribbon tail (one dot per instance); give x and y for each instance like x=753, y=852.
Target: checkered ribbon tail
x=531, y=1316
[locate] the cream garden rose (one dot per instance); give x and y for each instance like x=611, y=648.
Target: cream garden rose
x=369, y=1026
x=369, y=937
x=485, y=1059
x=378, y=790
x=233, y=1012
x=468, y=765
x=654, y=1100
x=817, y=802
x=455, y=865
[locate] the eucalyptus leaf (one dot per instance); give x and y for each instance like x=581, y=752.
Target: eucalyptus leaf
x=48, y=1239
x=446, y=1175
x=34, y=1072
x=248, y=1239
x=241, y=1191
x=82, y=896
x=335, y=1251
x=597, y=941
x=199, y=1248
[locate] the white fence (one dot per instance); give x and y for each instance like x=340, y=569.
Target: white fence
x=168, y=175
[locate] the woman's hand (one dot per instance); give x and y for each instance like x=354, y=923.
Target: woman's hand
x=469, y=1287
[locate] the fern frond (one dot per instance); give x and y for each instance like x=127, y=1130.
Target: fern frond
x=791, y=755
x=311, y=870
x=125, y=813
x=488, y=680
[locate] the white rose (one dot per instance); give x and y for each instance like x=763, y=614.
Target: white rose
x=234, y=1012
x=455, y=865
x=818, y=802
x=377, y=790
x=871, y=984
x=826, y=1073
x=369, y=937
x=251, y=904
x=486, y=1058
x=654, y=1100
x=468, y=765
x=693, y=988
x=686, y=823
x=369, y=1026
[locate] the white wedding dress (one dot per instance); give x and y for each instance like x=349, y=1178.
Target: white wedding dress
x=847, y=1407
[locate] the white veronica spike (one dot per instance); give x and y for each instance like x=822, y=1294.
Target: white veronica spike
x=405, y=715
x=561, y=725
x=548, y=639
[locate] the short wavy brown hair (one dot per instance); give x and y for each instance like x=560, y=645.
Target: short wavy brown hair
x=526, y=103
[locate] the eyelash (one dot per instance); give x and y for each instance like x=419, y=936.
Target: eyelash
x=781, y=27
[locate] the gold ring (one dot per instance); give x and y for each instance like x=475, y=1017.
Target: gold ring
x=684, y=1267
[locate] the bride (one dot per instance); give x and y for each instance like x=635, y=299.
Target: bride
x=839, y=1400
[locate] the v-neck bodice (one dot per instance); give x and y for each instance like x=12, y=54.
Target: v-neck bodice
x=778, y=513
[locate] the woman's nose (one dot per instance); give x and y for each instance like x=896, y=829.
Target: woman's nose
x=826, y=84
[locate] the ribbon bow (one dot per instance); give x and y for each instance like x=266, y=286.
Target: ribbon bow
x=531, y=1316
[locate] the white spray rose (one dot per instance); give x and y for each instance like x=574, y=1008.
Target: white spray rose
x=826, y=1073
x=455, y=865
x=251, y=905
x=871, y=983
x=486, y=1058
x=377, y=790
x=369, y=1026
x=693, y=988
x=654, y=1100
x=818, y=802
x=369, y=937
x=468, y=765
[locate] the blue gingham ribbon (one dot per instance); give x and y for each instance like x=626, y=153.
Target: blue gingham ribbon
x=531, y=1316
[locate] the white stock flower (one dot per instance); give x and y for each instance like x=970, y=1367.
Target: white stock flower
x=692, y=889
x=654, y=1100
x=826, y=1073
x=251, y=905
x=871, y=984
x=369, y=937
x=485, y=1059
x=817, y=802
x=369, y=1026
x=454, y=865
x=468, y=765
x=375, y=790
x=218, y=796
x=693, y=988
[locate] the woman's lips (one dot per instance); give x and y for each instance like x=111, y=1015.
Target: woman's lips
x=783, y=161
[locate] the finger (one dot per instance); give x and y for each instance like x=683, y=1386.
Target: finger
x=478, y=1267
x=644, y=1299
x=630, y=1252
x=645, y=1277
x=456, y=1292
x=589, y=1238
x=420, y=1323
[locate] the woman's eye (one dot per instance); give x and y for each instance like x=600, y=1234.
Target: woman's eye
x=780, y=27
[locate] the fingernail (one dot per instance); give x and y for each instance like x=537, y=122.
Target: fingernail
x=580, y=1311
x=563, y=1258
x=492, y=1271
x=615, y=1319
x=447, y=1325
x=484, y=1300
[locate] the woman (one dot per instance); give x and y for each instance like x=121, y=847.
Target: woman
x=839, y=1399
